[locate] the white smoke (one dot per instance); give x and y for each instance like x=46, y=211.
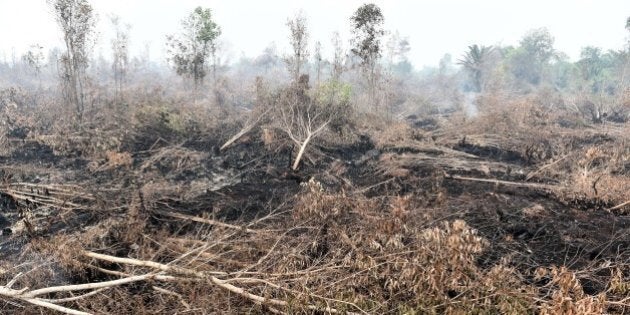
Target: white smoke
x=470, y=104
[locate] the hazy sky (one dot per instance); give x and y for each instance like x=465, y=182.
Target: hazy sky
x=434, y=27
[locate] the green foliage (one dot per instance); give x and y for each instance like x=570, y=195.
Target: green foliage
x=201, y=21
x=367, y=27
x=165, y=122
x=34, y=57
x=298, y=37
x=538, y=44
x=77, y=21
x=474, y=61
x=530, y=60
x=334, y=92
x=190, y=50
x=367, y=23
x=591, y=63
x=562, y=73
x=402, y=68
x=598, y=70
x=335, y=96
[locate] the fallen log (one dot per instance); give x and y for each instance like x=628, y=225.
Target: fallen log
x=249, y=125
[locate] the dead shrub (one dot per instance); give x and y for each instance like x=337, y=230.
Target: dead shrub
x=315, y=202
x=599, y=173
x=568, y=297
x=387, y=133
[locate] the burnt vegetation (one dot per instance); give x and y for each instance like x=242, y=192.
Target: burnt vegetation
x=499, y=186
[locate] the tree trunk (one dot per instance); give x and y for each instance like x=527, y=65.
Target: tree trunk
x=298, y=157
x=241, y=133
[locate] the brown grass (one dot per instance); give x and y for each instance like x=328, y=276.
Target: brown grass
x=410, y=222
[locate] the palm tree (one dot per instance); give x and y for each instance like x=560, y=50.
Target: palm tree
x=474, y=60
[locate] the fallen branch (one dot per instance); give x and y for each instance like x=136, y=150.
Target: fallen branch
x=75, y=298
x=57, y=196
x=619, y=206
x=205, y=221
x=502, y=182
x=373, y=186
x=538, y=171
x=17, y=294
x=88, y=286
x=247, y=128
x=32, y=296
x=213, y=279
x=151, y=264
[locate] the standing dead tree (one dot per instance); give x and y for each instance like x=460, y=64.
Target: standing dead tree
x=318, y=61
x=34, y=57
x=301, y=117
x=338, y=57
x=297, y=114
x=120, y=50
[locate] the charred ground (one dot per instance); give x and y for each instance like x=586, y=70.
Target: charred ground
x=389, y=217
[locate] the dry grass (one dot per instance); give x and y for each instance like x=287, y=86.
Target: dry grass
x=162, y=224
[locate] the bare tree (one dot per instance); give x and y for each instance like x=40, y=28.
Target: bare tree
x=398, y=48
x=76, y=19
x=318, y=61
x=256, y=116
x=338, y=57
x=120, y=51
x=34, y=57
x=302, y=118
x=298, y=37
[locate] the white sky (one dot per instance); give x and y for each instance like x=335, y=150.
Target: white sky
x=434, y=27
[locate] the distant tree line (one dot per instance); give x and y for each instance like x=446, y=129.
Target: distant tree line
x=373, y=70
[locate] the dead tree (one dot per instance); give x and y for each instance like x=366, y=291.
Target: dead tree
x=253, y=121
x=301, y=117
x=257, y=115
x=120, y=50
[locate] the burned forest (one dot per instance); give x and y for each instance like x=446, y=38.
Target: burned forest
x=322, y=175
